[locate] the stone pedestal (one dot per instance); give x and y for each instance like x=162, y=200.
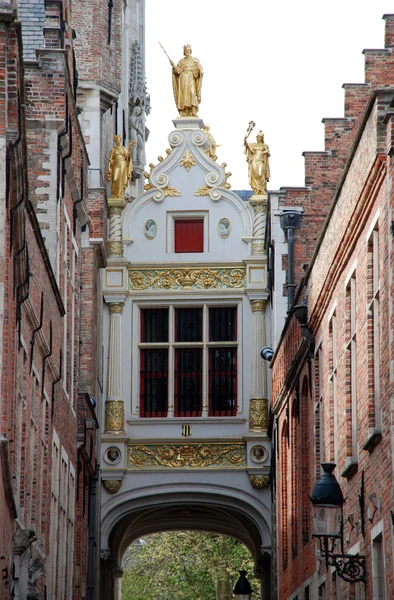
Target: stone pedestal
x=115, y=246
x=259, y=204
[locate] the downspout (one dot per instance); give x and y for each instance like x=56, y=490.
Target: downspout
x=92, y=535
x=289, y=221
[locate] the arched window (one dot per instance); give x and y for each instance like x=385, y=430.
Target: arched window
x=305, y=460
x=284, y=494
x=295, y=466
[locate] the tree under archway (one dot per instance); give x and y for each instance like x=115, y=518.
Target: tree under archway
x=184, y=565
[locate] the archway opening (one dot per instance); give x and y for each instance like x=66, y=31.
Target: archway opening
x=185, y=565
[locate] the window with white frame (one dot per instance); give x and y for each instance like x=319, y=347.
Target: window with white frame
x=188, y=361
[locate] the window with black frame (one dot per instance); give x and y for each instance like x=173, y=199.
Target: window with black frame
x=188, y=361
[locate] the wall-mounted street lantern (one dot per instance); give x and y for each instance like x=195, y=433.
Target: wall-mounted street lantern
x=289, y=221
x=327, y=501
x=301, y=314
x=242, y=589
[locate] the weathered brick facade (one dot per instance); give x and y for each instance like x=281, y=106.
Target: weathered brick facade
x=332, y=403
x=52, y=245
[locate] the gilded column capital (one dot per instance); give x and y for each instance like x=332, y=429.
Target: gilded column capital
x=259, y=205
x=115, y=308
x=258, y=305
x=258, y=414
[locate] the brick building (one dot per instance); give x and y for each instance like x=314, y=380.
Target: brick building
x=332, y=386
x=64, y=94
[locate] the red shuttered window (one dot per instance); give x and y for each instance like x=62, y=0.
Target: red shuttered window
x=189, y=235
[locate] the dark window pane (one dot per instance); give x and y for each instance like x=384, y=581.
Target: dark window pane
x=189, y=235
x=223, y=324
x=188, y=325
x=188, y=382
x=222, y=381
x=154, y=383
x=154, y=325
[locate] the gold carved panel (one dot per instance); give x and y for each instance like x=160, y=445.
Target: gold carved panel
x=179, y=456
x=187, y=278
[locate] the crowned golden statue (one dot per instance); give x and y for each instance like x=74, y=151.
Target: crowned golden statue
x=257, y=155
x=120, y=167
x=186, y=82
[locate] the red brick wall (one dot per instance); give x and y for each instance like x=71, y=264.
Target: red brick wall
x=366, y=194
x=98, y=60
x=35, y=103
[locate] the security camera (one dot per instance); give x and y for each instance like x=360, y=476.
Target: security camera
x=267, y=353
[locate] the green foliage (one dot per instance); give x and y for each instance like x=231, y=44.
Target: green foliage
x=184, y=565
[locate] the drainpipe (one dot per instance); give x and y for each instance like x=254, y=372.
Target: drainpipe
x=289, y=221
x=92, y=535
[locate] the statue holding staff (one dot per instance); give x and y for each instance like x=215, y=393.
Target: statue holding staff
x=186, y=82
x=257, y=155
x=120, y=167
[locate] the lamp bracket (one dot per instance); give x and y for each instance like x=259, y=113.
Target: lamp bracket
x=350, y=567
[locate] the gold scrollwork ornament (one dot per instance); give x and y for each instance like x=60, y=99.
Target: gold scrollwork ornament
x=187, y=455
x=259, y=482
x=258, y=414
x=187, y=278
x=114, y=415
x=187, y=161
x=112, y=485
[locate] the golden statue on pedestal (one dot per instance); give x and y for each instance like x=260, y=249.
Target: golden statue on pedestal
x=120, y=167
x=186, y=82
x=257, y=155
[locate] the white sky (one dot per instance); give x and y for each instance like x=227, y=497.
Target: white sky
x=280, y=63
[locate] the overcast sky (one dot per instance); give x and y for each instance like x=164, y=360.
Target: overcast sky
x=280, y=63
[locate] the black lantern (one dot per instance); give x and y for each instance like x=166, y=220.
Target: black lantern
x=327, y=501
x=301, y=314
x=242, y=589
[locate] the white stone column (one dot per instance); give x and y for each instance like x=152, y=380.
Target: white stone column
x=114, y=406
x=258, y=406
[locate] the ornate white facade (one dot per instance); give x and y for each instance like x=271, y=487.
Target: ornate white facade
x=162, y=471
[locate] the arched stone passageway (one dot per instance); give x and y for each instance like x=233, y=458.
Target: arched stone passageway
x=185, y=565
x=128, y=518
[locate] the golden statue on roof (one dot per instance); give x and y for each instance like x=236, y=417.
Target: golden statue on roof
x=186, y=82
x=257, y=154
